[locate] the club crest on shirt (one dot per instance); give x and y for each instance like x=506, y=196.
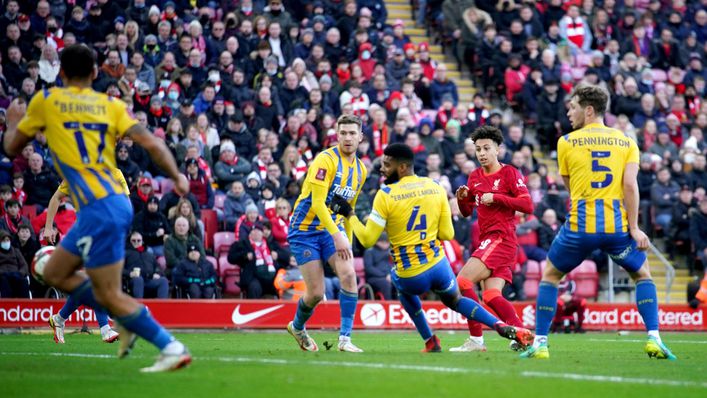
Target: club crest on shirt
x=321, y=174
x=520, y=183
x=495, y=184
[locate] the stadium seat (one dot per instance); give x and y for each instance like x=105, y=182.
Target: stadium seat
x=365, y=291
x=219, y=201
x=530, y=288
x=586, y=278
x=210, y=220
x=213, y=262
x=223, y=242
x=224, y=265
x=230, y=281
x=533, y=270
x=533, y=274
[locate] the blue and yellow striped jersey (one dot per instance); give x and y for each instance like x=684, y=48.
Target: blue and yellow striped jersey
x=117, y=175
x=339, y=176
x=595, y=157
x=82, y=127
x=411, y=210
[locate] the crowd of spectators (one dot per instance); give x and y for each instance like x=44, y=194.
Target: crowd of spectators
x=246, y=92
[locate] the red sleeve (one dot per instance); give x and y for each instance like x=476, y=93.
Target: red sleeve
x=466, y=207
x=516, y=182
x=522, y=204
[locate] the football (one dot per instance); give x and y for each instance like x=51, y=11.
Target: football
x=40, y=261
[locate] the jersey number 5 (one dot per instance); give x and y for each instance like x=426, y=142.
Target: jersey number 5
x=79, y=130
x=597, y=168
x=420, y=225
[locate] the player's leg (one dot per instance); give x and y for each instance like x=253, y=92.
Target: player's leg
x=313, y=276
x=494, y=298
x=444, y=283
x=473, y=271
x=624, y=252
x=108, y=335
x=348, y=299
x=408, y=291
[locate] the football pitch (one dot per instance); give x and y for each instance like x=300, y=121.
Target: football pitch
x=269, y=364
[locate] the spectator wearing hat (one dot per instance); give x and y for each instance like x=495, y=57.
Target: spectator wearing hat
x=195, y=274
x=397, y=68
x=258, y=263
x=127, y=166
x=275, y=11
x=377, y=265
x=141, y=271
x=240, y=135
x=230, y=166
x=247, y=221
x=199, y=184
x=140, y=196
x=13, y=269
x=159, y=114
x=695, y=69
x=153, y=53
x=153, y=225
x=142, y=96
x=303, y=47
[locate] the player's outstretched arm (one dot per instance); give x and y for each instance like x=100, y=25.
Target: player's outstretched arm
x=367, y=234
x=160, y=154
x=446, y=227
x=13, y=139
x=464, y=201
x=631, y=201
x=52, y=209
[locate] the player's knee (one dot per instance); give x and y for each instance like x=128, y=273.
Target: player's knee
x=315, y=298
x=107, y=297
x=464, y=283
x=450, y=299
x=552, y=274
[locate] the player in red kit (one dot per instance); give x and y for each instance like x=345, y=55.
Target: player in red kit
x=498, y=191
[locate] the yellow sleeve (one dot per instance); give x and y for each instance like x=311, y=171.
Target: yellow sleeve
x=633, y=155
x=368, y=234
x=118, y=176
x=446, y=227
x=124, y=119
x=562, y=147
x=319, y=194
x=35, y=118
x=347, y=225
x=321, y=171
x=64, y=188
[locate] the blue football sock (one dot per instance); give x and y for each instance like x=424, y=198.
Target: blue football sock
x=302, y=315
x=69, y=307
x=347, y=302
x=474, y=311
x=647, y=301
x=141, y=323
x=545, y=308
x=413, y=306
x=101, y=317
x=83, y=295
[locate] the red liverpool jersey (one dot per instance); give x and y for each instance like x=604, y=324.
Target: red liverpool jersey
x=510, y=194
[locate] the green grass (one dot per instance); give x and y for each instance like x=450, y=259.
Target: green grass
x=259, y=364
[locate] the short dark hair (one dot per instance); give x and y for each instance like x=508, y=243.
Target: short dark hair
x=348, y=119
x=400, y=153
x=590, y=95
x=487, y=132
x=24, y=226
x=77, y=61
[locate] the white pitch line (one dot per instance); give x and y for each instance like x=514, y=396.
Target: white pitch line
x=643, y=341
x=421, y=368
x=613, y=379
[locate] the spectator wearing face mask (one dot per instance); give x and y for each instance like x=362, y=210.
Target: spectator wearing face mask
x=13, y=269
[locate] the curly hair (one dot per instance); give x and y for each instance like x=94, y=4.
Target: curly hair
x=487, y=132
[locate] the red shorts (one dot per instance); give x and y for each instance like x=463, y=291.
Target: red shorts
x=498, y=255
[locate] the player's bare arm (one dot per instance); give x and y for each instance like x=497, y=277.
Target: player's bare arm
x=631, y=200
x=161, y=155
x=13, y=140
x=52, y=209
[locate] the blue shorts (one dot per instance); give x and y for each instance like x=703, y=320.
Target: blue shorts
x=440, y=279
x=100, y=231
x=309, y=246
x=569, y=249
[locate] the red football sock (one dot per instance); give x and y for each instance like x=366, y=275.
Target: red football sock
x=467, y=290
x=494, y=299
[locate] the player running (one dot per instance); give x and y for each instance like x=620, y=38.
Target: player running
x=599, y=164
x=498, y=192
x=415, y=212
x=317, y=236
x=58, y=320
x=82, y=128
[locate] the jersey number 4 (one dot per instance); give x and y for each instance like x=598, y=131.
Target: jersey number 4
x=414, y=225
x=79, y=130
x=598, y=168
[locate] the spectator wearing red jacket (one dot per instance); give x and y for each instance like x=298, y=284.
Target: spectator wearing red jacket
x=280, y=219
